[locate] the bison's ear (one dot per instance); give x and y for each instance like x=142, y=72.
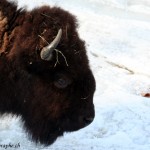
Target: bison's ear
x=46, y=52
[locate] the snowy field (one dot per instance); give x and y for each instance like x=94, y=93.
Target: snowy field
x=117, y=35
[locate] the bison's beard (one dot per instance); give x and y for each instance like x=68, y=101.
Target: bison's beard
x=44, y=132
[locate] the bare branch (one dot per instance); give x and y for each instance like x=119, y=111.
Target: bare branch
x=43, y=39
x=57, y=51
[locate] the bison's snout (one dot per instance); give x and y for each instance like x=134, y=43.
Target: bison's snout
x=88, y=120
x=86, y=117
x=80, y=123
x=85, y=120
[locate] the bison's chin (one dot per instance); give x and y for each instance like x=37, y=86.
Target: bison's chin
x=67, y=125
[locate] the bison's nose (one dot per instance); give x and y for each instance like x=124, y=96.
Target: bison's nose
x=88, y=120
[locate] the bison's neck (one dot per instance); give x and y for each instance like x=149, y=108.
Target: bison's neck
x=6, y=90
x=8, y=95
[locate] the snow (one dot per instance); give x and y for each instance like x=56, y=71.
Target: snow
x=117, y=33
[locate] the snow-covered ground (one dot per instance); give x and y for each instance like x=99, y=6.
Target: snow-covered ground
x=117, y=33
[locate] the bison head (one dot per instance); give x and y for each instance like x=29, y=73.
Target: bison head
x=45, y=73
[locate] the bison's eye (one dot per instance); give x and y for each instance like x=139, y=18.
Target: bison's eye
x=62, y=81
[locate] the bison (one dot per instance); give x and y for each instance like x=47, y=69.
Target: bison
x=45, y=75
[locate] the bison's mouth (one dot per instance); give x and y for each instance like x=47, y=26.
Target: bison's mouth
x=70, y=125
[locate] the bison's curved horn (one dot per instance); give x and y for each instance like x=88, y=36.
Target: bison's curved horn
x=46, y=53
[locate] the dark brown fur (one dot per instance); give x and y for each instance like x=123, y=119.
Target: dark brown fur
x=28, y=84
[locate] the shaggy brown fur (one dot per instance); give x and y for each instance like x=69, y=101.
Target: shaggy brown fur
x=52, y=97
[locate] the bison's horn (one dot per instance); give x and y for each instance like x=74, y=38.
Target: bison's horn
x=46, y=53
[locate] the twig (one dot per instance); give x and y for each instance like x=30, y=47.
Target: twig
x=47, y=16
x=120, y=66
x=43, y=39
x=57, y=61
x=57, y=51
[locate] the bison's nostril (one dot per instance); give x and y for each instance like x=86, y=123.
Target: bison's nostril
x=88, y=120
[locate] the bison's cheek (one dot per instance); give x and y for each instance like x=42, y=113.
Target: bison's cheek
x=53, y=102
x=57, y=110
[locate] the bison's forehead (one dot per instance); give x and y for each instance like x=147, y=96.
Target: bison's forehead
x=39, y=27
x=46, y=22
